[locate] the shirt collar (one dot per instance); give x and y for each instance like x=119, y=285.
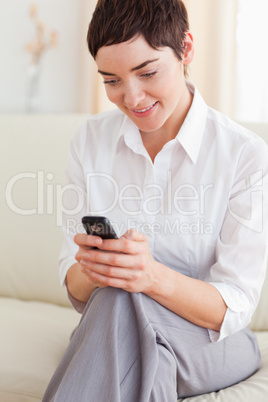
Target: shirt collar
x=190, y=134
x=130, y=135
x=192, y=130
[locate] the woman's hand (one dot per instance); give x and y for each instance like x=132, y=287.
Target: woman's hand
x=124, y=263
x=127, y=263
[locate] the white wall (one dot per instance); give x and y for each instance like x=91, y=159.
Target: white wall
x=213, y=25
x=65, y=84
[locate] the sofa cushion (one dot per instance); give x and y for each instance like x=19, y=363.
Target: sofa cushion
x=33, y=338
x=259, y=320
x=251, y=390
x=33, y=154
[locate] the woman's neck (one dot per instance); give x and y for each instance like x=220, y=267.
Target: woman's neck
x=154, y=141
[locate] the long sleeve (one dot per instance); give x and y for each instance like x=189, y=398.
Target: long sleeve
x=73, y=205
x=241, y=250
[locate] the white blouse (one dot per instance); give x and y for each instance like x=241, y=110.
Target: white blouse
x=203, y=203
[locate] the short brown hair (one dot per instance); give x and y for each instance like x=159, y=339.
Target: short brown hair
x=161, y=23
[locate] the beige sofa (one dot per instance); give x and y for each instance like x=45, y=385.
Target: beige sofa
x=35, y=315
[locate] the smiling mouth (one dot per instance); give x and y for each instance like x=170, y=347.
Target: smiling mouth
x=146, y=109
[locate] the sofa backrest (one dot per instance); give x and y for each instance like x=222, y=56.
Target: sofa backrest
x=33, y=154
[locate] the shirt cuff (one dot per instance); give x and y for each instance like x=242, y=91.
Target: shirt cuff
x=238, y=313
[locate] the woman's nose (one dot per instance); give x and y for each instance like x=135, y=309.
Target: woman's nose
x=133, y=95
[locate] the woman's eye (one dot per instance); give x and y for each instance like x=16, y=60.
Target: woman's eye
x=110, y=82
x=149, y=75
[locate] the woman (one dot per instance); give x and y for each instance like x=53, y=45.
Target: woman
x=166, y=306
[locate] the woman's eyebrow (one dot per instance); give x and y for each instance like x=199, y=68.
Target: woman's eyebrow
x=143, y=64
x=133, y=69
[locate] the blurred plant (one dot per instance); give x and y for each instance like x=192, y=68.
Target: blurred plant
x=42, y=42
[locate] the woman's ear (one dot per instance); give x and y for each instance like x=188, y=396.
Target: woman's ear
x=189, y=49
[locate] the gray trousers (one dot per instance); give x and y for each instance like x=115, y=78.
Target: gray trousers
x=129, y=348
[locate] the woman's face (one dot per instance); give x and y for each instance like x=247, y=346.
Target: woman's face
x=148, y=85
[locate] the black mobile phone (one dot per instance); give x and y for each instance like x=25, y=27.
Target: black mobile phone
x=99, y=226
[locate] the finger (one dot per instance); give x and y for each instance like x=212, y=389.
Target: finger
x=84, y=240
x=79, y=255
x=104, y=280
x=113, y=259
x=133, y=235
x=110, y=271
x=122, y=245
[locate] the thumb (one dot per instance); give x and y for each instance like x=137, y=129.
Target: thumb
x=133, y=235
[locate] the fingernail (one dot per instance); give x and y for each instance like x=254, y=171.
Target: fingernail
x=98, y=241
